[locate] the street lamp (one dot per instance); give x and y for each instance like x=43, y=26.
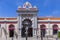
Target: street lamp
x=41, y=35
x=26, y=32
x=0, y=30
x=26, y=23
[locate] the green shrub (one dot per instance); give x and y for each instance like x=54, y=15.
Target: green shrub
x=58, y=34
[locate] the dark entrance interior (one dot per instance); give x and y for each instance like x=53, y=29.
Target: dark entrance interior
x=43, y=30
x=55, y=29
x=29, y=32
x=11, y=30
x=27, y=23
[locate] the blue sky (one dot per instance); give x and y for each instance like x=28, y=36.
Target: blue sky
x=46, y=7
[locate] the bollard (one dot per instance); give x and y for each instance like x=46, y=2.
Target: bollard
x=12, y=38
x=47, y=37
x=56, y=38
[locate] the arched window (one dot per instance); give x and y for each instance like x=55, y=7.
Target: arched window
x=43, y=30
x=55, y=29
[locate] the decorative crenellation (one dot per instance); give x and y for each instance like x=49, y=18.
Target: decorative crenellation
x=27, y=7
x=27, y=4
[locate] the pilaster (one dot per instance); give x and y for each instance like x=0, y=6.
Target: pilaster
x=19, y=24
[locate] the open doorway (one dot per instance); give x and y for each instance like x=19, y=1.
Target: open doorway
x=30, y=32
x=43, y=30
x=55, y=29
x=27, y=23
x=11, y=30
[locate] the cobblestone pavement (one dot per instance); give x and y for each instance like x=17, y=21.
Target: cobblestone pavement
x=29, y=38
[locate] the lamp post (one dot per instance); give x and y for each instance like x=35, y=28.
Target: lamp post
x=26, y=23
x=26, y=32
x=0, y=31
x=41, y=35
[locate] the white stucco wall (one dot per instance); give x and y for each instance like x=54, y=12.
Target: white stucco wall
x=49, y=30
x=4, y=25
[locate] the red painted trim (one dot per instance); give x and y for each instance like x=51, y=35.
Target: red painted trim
x=55, y=22
x=11, y=28
x=42, y=22
x=2, y=22
x=11, y=22
x=50, y=28
x=47, y=22
x=8, y=22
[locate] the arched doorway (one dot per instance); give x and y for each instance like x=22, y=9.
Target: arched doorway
x=43, y=30
x=27, y=23
x=11, y=30
x=55, y=29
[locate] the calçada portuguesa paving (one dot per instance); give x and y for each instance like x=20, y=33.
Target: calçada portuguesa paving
x=29, y=38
